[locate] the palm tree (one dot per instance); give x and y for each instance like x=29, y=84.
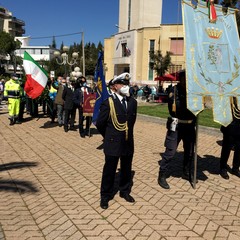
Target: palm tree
x=159, y=62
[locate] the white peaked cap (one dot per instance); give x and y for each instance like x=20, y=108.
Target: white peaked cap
x=122, y=78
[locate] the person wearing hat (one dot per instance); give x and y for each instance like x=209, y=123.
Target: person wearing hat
x=115, y=122
x=12, y=92
x=110, y=87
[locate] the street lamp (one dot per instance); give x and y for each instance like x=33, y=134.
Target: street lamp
x=64, y=58
x=76, y=73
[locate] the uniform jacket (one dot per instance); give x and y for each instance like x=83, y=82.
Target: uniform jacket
x=67, y=96
x=12, y=89
x=181, y=104
x=78, y=97
x=115, y=143
x=58, y=99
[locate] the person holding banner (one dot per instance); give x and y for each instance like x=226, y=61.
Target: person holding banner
x=85, y=91
x=231, y=139
x=180, y=126
x=115, y=122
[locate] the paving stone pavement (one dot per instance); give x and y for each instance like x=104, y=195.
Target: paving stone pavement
x=50, y=180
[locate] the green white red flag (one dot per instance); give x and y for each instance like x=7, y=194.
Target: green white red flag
x=37, y=77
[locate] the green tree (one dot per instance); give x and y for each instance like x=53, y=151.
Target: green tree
x=159, y=62
x=54, y=45
x=7, y=47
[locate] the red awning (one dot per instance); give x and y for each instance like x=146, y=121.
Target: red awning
x=167, y=77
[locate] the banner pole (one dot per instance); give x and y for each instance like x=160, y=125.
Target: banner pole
x=195, y=155
x=90, y=123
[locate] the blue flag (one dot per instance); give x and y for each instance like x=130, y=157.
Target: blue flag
x=102, y=92
x=212, y=59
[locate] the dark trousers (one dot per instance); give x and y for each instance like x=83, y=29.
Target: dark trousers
x=108, y=176
x=87, y=125
x=21, y=110
x=32, y=107
x=69, y=117
x=186, y=133
x=80, y=118
x=230, y=141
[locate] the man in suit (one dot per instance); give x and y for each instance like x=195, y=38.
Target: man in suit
x=116, y=122
x=69, y=110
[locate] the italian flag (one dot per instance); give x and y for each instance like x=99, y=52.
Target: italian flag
x=37, y=77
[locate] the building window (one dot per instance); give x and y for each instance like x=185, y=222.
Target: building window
x=45, y=51
x=151, y=63
x=126, y=52
x=38, y=51
x=30, y=51
x=176, y=46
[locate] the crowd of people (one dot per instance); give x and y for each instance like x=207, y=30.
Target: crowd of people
x=117, y=116
x=61, y=99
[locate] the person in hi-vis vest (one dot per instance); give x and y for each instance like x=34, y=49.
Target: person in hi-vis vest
x=12, y=92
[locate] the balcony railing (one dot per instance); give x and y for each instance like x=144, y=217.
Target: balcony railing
x=18, y=21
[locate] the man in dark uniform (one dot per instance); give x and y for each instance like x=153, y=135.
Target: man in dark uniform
x=231, y=140
x=180, y=126
x=116, y=122
x=87, y=90
x=78, y=104
x=69, y=110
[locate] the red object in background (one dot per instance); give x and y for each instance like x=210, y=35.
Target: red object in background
x=167, y=77
x=88, y=105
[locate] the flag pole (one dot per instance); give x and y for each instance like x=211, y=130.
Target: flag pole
x=195, y=154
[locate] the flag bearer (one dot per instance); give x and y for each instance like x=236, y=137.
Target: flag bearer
x=12, y=93
x=181, y=127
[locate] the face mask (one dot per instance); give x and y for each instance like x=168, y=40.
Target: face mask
x=84, y=84
x=64, y=84
x=124, y=90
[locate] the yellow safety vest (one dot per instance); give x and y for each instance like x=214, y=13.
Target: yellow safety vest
x=12, y=89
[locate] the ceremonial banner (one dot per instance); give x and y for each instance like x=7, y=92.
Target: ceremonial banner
x=212, y=59
x=102, y=92
x=88, y=104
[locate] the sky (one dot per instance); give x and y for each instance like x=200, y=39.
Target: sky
x=97, y=19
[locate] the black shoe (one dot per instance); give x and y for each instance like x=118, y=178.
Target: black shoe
x=236, y=172
x=104, y=203
x=11, y=122
x=162, y=180
x=127, y=197
x=18, y=122
x=224, y=174
x=60, y=125
x=65, y=129
x=82, y=135
x=88, y=134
